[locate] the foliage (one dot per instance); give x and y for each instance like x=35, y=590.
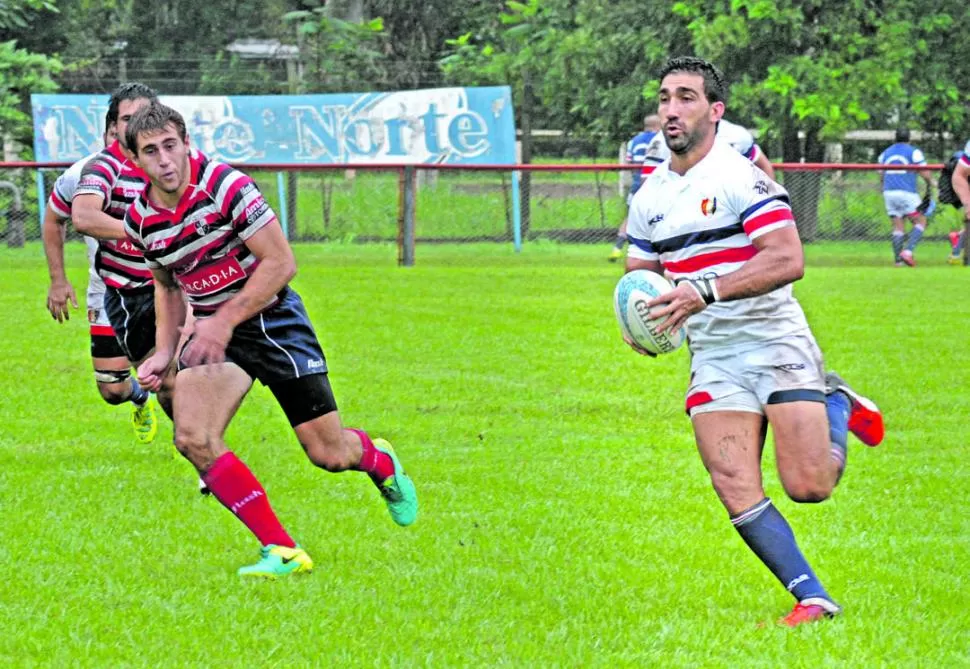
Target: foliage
x=22, y=73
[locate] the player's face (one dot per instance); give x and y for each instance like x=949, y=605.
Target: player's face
x=164, y=157
x=686, y=115
x=127, y=109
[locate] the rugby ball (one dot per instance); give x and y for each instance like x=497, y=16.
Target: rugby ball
x=630, y=299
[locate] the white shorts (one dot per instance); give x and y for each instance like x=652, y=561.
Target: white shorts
x=901, y=203
x=747, y=377
x=95, y=294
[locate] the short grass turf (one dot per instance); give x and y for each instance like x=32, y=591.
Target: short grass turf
x=566, y=519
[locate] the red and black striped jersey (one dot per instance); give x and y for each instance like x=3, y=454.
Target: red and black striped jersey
x=118, y=181
x=202, y=241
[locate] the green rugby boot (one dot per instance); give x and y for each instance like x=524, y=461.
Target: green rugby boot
x=398, y=490
x=276, y=561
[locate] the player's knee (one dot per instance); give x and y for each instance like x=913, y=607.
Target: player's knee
x=196, y=445
x=807, y=490
x=113, y=384
x=113, y=393
x=327, y=454
x=735, y=488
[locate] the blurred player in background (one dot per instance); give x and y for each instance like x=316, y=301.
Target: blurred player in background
x=901, y=196
x=109, y=182
x=724, y=232
x=960, y=185
x=206, y=230
x=112, y=370
x=636, y=153
x=740, y=139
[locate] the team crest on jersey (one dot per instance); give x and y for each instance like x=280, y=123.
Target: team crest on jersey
x=709, y=206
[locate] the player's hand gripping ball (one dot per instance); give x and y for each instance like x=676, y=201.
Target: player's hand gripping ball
x=630, y=299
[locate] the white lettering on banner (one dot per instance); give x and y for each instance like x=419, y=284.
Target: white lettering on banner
x=212, y=278
x=426, y=126
x=333, y=132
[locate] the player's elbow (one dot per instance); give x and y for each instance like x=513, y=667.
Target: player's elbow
x=794, y=264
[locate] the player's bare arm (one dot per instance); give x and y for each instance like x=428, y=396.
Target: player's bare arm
x=89, y=219
x=764, y=164
x=169, y=315
x=60, y=291
x=961, y=186
x=779, y=261
x=276, y=267
x=639, y=263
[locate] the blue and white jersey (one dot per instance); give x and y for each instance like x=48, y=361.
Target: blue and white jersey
x=636, y=153
x=901, y=153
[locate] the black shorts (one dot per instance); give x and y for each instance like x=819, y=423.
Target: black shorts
x=276, y=345
x=104, y=344
x=132, y=315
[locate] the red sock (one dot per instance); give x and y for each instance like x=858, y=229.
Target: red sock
x=377, y=464
x=234, y=485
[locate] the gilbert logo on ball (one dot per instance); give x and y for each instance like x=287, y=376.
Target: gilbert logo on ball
x=630, y=298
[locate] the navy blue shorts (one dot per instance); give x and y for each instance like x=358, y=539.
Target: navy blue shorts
x=276, y=345
x=132, y=315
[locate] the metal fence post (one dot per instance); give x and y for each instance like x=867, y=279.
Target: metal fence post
x=406, y=212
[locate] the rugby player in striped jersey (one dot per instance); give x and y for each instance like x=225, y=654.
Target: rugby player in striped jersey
x=205, y=230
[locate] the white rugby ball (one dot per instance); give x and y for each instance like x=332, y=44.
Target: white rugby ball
x=630, y=299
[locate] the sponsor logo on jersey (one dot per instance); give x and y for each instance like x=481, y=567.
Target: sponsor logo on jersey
x=656, y=219
x=212, y=278
x=761, y=187
x=709, y=206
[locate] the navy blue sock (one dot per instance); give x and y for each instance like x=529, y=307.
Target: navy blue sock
x=898, y=238
x=138, y=394
x=768, y=534
x=838, y=406
x=915, y=235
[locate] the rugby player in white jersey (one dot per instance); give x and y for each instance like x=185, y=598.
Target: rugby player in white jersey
x=724, y=232
x=112, y=369
x=205, y=230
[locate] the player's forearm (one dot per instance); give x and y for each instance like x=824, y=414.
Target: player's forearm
x=270, y=277
x=169, y=316
x=95, y=223
x=771, y=268
x=52, y=233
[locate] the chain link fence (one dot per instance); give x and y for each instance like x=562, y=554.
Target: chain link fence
x=564, y=203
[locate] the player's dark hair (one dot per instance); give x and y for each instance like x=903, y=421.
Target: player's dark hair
x=152, y=118
x=715, y=88
x=902, y=134
x=130, y=91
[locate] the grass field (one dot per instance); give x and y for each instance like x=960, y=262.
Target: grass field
x=566, y=519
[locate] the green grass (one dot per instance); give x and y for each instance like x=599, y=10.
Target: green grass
x=566, y=519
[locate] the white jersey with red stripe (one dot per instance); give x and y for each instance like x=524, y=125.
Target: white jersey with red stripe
x=60, y=203
x=733, y=134
x=702, y=225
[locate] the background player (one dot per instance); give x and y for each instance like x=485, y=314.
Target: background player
x=109, y=183
x=636, y=153
x=960, y=183
x=737, y=136
x=901, y=197
x=204, y=226
x=112, y=370
x=725, y=232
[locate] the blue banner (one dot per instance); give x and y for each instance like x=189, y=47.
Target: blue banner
x=433, y=126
